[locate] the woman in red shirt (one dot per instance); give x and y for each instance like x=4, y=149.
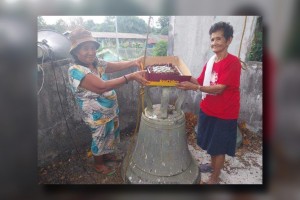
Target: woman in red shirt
x=219, y=83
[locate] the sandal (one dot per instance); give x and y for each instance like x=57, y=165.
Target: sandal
x=205, y=168
x=108, y=172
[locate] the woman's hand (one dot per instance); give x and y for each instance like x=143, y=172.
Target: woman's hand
x=139, y=76
x=139, y=62
x=118, y=66
x=186, y=85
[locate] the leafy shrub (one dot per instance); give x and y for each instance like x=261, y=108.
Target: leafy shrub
x=160, y=48
x=256, y=50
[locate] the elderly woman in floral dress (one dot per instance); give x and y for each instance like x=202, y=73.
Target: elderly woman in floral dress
x=96, y=96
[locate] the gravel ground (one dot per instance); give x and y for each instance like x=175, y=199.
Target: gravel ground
x=76, y=168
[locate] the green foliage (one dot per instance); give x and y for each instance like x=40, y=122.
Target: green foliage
x=131, y=24
x=163, y=23
x=60, y=26
x=126, y=24
x=89, y=25
x=41, y=24
x=108, y=25
x=256, y=51
x=75, y=22
x=164, y=31
x=154, y=30
x=160, y=48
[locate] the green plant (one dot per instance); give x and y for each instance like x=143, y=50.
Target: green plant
x=255, y=53
x=160, y=48
x=256, y=50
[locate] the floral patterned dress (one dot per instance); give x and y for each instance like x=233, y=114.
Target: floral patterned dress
x=100, y=111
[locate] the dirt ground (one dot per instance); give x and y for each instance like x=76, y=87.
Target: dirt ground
x=76, y=168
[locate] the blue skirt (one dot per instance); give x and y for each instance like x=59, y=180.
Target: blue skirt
x=216, y=136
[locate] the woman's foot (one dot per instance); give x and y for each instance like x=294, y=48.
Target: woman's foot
x=105, y=170
x=212, y=181
x=101, y=168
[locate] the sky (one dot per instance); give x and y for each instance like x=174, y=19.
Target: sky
x=96, y=19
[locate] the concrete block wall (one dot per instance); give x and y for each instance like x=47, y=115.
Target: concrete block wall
x=60, y=128
x=252, y=96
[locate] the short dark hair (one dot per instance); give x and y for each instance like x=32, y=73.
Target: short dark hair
x=226, y=27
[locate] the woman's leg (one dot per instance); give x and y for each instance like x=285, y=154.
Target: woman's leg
x=114, y=135
x=103, y=143
x=217, y=163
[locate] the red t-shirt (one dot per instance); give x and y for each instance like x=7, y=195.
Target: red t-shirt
x=227, y=104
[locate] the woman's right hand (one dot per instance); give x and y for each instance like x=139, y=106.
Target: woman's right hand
x=139, y=76
x=186, y=85
x=139, y=62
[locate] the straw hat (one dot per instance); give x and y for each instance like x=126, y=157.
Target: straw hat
x=79, y=36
